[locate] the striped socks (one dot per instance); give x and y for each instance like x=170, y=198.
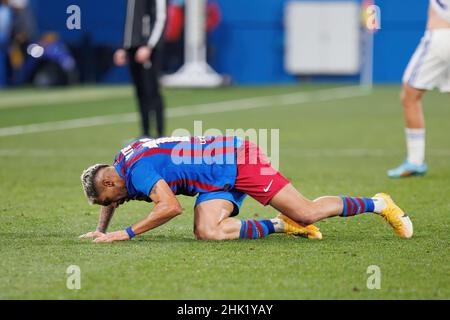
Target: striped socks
x=356, y=205
x=254, y=229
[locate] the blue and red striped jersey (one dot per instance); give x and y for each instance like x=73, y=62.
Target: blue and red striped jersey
x=189, y=165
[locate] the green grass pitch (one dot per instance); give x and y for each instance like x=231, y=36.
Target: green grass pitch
x=330, y=147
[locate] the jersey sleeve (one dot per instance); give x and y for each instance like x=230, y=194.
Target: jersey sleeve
x=143, y=178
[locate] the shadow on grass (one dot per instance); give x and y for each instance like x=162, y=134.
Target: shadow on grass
x=338, y=240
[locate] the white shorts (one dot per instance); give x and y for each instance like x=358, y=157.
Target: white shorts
x=429, y=67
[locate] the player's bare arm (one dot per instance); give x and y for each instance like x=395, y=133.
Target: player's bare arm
x=105, y=216
x=106, y=213
x=166, y=207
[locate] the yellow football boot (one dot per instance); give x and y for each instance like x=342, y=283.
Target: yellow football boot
x=296, y=229
x=396, y=217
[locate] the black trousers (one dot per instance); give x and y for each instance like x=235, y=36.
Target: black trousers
x=145, y=79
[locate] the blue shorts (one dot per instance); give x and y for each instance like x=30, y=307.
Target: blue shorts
x=234, y=196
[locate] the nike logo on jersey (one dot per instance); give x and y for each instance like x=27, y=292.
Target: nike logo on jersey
x=268, y=187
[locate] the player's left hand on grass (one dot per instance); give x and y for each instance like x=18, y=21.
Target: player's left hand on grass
x=113, y=236
x=92, y=234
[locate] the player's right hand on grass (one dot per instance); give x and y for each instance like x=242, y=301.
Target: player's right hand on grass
x=93, y=234
x=120, y=57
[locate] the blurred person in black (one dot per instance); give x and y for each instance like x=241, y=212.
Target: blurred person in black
x=144, y=26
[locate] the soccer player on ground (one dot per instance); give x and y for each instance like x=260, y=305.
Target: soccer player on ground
x=428, y=68
x=222, y=170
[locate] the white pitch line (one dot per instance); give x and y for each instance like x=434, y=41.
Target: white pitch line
x=68, y=96
x=193, y=110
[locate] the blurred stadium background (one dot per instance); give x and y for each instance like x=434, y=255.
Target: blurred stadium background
x=64, y=106
x=246, y=39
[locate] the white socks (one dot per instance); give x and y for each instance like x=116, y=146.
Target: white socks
x=415, y=144
x=278, y=225
x=379, y=204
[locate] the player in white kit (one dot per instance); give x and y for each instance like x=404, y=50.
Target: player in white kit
x=428, y=68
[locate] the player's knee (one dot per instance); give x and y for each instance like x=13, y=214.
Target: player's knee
x=202, y=233
x=199, y=233
x=405, y=99
x=409, y=96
